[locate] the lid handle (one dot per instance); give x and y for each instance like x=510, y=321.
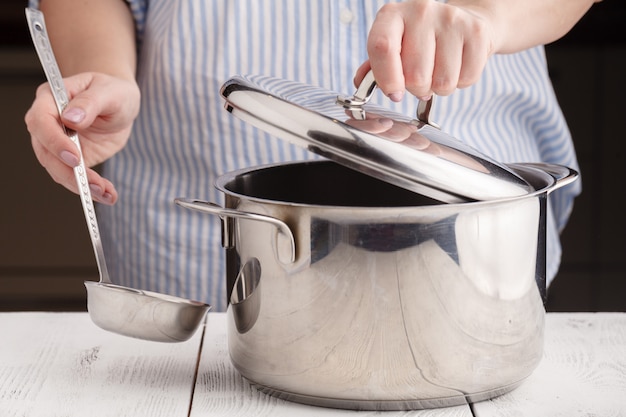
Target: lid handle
x=364, y=92
x=423, y=112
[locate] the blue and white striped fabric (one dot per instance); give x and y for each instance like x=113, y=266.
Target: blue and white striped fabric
x=183, y=138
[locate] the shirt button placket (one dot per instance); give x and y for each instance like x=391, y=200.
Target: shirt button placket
x=348, y=40
x=346, y=16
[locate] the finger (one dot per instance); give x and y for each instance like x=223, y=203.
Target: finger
x=384, y=46
x=361, y=72
x=418, y=59
x=60, y=172
x=418, y=47
x=448, y=59
x=474, y=59
x=102, y=189
x=42, y=122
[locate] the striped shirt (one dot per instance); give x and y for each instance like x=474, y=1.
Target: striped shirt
x=184, y=139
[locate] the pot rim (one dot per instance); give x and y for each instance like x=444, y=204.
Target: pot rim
x=543, y=177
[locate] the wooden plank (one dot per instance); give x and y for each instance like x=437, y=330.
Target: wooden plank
x=583, y=371
x=62, y=365
x=221, y=391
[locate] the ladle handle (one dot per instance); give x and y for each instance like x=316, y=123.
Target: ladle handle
x=39, y=35
x=364, y=93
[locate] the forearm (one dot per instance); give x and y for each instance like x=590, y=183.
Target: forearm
x=92, y=35
x=521, y=24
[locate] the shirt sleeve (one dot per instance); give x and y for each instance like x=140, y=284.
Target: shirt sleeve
x=139, y=9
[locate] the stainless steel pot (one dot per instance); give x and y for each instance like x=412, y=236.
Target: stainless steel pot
x=350, y=292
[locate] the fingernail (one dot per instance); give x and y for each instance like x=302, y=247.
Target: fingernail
x=96, y=191
x=98, y=194
x=397, y=96
x=69, y=158
x=426, y=98
x=74, y=115
x=107, y=198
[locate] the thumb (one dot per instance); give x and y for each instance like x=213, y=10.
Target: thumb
x=96, y=96
x=82, y=100
x=73, y=115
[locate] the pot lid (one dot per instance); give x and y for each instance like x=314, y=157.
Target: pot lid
x=410, y=153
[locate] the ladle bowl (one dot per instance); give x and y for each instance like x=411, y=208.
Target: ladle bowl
x=143, y=314
x=126, y=311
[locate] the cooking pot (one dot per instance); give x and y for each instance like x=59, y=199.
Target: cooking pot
x=404, y=271
x=350, y=292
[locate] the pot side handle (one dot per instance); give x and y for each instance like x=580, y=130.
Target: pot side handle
x=562, y=174
x=284, y=232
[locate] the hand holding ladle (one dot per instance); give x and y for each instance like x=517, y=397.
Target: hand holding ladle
x=127, y=311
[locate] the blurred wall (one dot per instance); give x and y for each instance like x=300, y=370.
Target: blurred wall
x=588, y=70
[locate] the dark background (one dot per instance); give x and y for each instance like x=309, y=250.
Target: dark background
x=45, y=253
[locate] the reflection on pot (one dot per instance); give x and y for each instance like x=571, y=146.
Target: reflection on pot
x=245, y=299
x=381, y=237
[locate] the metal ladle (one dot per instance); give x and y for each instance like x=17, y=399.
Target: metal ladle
x=127, y=311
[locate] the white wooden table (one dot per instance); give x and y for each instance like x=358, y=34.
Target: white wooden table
x=62, y=365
